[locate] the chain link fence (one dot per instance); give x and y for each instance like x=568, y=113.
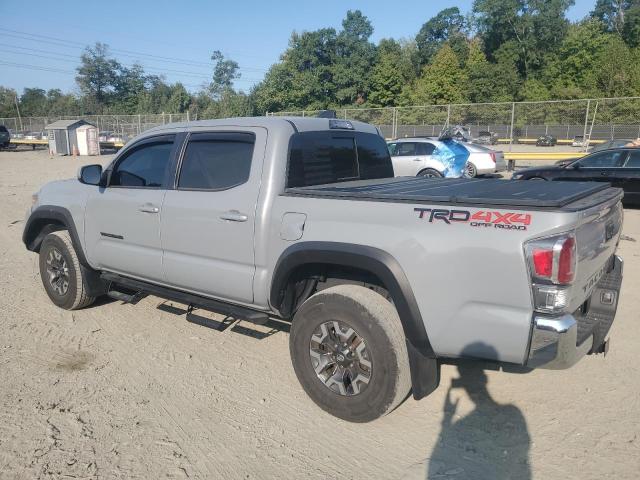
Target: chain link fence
x=598, y=119
x=118, y=126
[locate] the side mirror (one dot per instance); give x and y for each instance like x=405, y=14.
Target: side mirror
x=90, y=174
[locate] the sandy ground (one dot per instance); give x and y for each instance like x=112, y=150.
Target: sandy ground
x=122, y=391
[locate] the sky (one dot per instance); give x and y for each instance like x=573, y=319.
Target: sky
x=41, y=42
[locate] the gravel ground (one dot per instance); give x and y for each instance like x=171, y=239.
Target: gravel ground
x=122, y=391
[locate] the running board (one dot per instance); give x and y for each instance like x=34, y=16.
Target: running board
x=189, y=299
x=131, y=298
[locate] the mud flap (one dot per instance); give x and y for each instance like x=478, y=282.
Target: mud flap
x=425, y=372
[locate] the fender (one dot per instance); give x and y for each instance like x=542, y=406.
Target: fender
x=33, y=233
x=38, y=226
x=422, y=359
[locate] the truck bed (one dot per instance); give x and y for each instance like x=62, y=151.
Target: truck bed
x=472, y=192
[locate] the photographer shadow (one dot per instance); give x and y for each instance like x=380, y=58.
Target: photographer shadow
x=491, y=442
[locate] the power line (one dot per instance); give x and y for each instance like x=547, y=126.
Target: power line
x=130, y=53
x=74, y=59
x=68, y=72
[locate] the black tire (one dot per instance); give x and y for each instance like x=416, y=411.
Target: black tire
x=429, y=173
x=68, y=289
x=375, y=320
x=470, y=170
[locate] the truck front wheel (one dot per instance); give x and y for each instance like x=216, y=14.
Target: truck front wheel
x=61, y=274
x=349, y=353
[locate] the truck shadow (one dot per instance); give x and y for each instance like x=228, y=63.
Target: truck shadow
x=491, y=442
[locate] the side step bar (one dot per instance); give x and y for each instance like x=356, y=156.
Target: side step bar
x=126, y=297
x=189, y=299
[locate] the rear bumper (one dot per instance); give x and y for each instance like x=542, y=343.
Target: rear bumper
x=559, y=342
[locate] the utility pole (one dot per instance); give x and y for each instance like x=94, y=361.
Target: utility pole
x=15, y=97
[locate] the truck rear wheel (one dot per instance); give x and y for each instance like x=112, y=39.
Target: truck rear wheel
x=349, y=353
x=61, y=274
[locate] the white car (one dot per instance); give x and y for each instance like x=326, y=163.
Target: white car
x=422, y=156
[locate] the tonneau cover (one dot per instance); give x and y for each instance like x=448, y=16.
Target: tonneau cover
x=513, y=193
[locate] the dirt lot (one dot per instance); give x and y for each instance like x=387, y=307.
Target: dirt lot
x=121, y=391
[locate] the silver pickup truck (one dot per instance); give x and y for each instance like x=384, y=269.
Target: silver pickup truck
x=301, y=219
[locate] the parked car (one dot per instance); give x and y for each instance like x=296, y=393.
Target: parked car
x=618, y=166
x=5, y=137
x=578, y=141
x=426, y=157
x=486, y=138
x=610, y=144
x=301, y=219
x=546, y=141
x=35, y=136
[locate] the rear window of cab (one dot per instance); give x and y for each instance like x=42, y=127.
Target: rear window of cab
x=317, y=158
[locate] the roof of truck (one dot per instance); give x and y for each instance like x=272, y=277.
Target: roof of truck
x=300, y=124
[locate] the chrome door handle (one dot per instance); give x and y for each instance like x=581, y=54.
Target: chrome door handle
x=148, y=208
x=234, y=216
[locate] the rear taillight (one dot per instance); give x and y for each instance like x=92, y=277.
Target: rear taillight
x=493, y=156
x=553, y=259
x=552, y=263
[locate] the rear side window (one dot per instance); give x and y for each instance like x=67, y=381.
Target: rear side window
x=425, y=148
x=3, y=129
x=406, y=149
x=144, y=166
x=634, y=159
x=317, y=158
x=216, y=161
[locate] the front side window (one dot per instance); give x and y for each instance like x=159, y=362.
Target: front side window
x=216, y=161
x=608, y=159
x=144, y=166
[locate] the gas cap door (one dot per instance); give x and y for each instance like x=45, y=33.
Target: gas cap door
x=292, y=226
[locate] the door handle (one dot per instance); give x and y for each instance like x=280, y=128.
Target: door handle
x=605, y=173
x=417, y=160
x=234, y=216
x=148, y=208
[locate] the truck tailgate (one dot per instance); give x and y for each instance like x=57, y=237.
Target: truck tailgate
x=597, y=236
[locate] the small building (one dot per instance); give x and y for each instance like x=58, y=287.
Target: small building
x=64, y=137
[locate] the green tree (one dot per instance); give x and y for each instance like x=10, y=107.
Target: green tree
x=389, y=75
x=617, y=73
x=225, y=71
x=7, y=102
x=621, y=17
x=59, y=103
x=447, y=26
x=535, y=27
x=97, y=74
x=442, y=81
x=179, y=100
x=129, y=84
x=354, y=59
x=33, y=102
x=570, y=71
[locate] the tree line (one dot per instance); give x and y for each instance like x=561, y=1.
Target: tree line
x=501, y=51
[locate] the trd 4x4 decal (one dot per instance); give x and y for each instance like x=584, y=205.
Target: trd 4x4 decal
x=482, y=218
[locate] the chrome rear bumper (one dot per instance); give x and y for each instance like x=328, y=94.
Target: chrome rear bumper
x=559, y=342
